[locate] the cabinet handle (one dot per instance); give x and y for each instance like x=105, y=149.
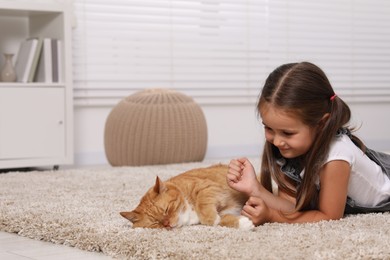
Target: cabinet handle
x=60, y=122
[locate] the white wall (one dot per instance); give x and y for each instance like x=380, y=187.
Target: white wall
x=233, y=129
x=371, y=120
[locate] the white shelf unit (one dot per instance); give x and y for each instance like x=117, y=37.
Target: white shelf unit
x=36, y=119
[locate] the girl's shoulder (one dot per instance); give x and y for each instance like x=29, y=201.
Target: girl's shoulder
x=342, y=148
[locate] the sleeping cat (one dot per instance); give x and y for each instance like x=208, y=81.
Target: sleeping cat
x=199, y=196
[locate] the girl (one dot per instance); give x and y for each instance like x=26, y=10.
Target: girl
x=321, y=170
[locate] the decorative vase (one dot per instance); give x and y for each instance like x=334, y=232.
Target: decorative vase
x=8, y=73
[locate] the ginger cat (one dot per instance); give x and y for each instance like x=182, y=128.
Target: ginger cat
x=199, y=196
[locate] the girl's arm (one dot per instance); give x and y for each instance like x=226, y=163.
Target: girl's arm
x=334, y=179
x=281, y=202
x=241, y=176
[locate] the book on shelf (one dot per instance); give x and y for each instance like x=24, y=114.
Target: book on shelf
x=25, y=58
x=56, y=55
x=44, y=69
x=59, y=59
x=35, y=60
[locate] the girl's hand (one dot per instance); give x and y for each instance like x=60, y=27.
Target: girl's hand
x=241, y=176
x=256, y=210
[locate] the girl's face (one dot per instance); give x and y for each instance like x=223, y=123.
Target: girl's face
x=287, y=132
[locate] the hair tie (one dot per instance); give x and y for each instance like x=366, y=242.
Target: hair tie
x=333, y=97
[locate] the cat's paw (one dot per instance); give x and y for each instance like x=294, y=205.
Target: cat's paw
x=217, y=220
x=245, y=223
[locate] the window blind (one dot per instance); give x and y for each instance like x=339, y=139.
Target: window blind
x=224, y=49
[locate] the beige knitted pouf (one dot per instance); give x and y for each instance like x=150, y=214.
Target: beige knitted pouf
x=155, y=126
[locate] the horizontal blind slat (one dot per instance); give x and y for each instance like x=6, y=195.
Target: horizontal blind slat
x=228, y=43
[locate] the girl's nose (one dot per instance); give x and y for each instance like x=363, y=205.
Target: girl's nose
x=278, y=142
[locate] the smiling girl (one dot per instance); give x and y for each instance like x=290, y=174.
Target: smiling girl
x=321, y=169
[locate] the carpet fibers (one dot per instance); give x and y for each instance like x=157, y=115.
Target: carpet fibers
x=80, y=208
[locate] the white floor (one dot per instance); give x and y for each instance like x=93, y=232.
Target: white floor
x=14, y=247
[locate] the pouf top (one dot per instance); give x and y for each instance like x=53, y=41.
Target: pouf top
x=157, y=96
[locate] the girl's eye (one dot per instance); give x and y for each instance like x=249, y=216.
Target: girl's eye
x=288, y=133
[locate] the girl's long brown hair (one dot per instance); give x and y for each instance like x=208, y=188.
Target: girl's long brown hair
x=303, y=90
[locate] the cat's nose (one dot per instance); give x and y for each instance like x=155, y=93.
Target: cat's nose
x=166, y=224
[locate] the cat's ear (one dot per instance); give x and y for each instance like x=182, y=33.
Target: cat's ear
x=130, y=215
x=159, y=187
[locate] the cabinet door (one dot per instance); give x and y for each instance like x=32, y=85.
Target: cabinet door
x=32, y=122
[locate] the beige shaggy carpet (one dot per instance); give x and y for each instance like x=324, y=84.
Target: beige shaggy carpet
x=80, y=208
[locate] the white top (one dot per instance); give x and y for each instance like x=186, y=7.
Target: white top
x=368, y=185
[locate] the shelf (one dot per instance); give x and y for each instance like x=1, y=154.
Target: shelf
x=27, y=8
x=31, y=85
x=36, y=118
